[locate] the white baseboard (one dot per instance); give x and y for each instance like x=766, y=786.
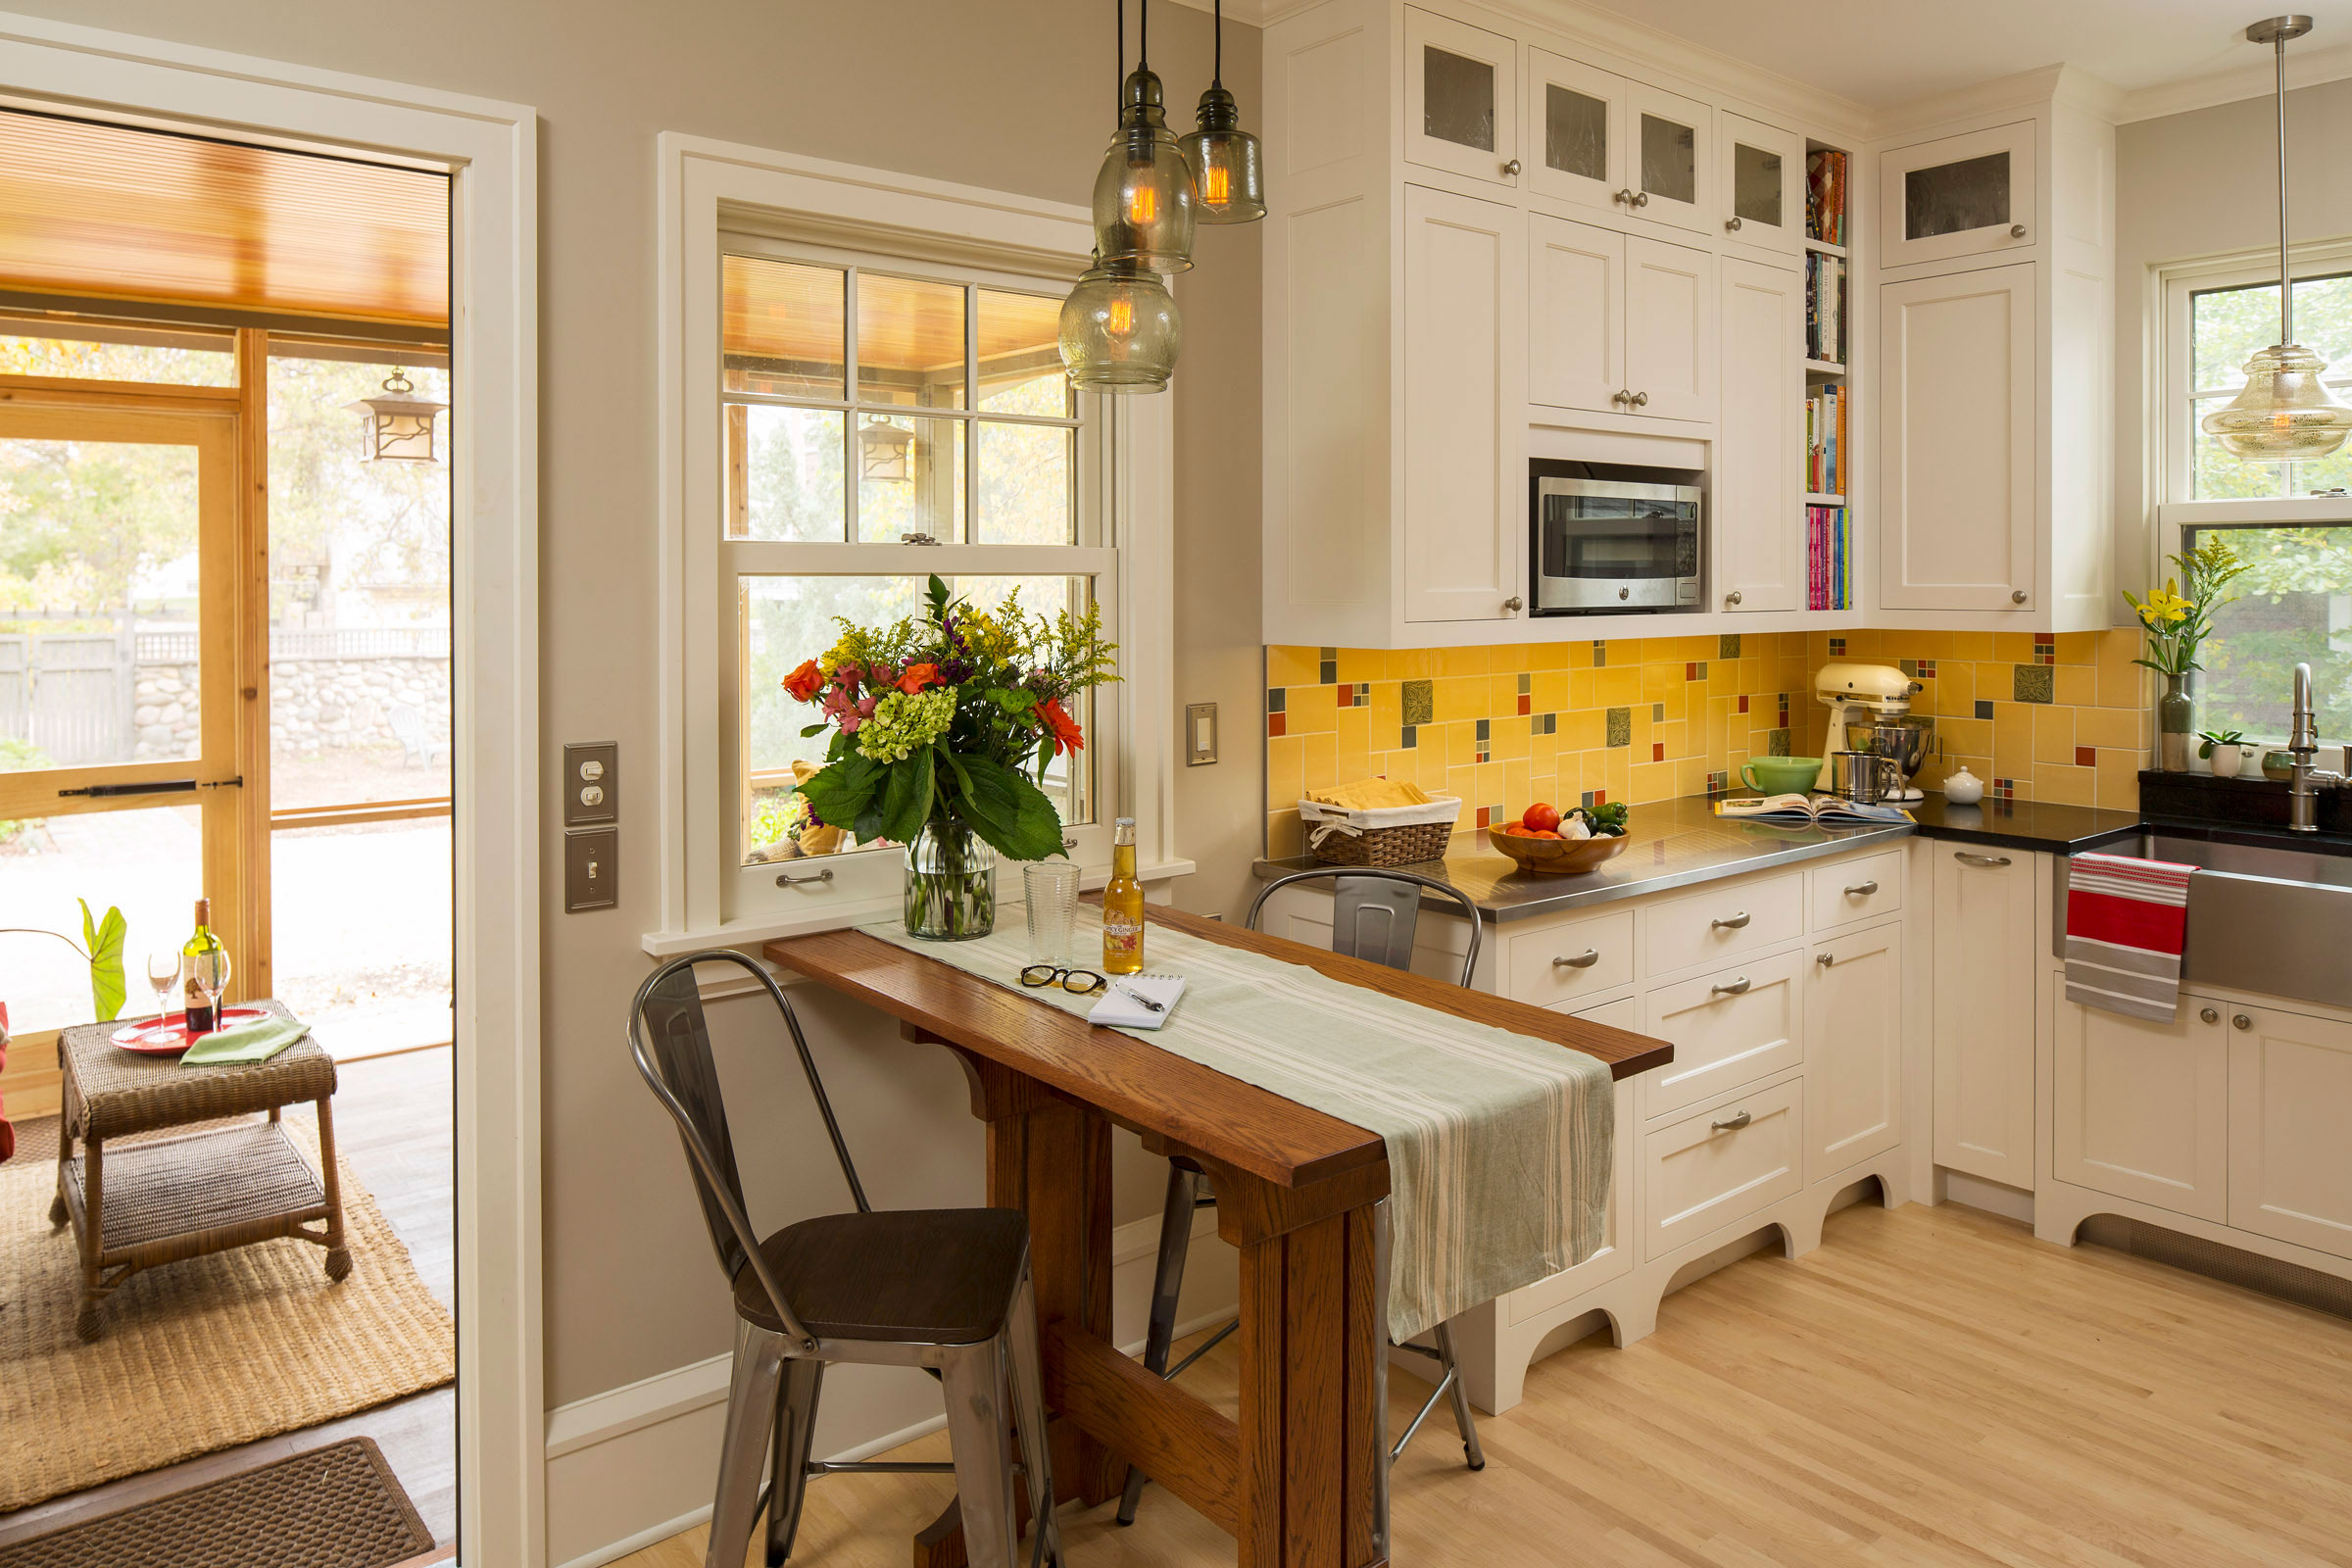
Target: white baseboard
x=634, y=1465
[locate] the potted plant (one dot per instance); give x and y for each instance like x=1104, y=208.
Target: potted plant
x=939, y=721
x=2223, y=749
x=2176, y=618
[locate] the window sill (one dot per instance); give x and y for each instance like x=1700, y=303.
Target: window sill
x=833, y=915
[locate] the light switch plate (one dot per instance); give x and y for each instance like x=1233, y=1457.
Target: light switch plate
x=591, y=784
x=591, y=869
x=1200, y=734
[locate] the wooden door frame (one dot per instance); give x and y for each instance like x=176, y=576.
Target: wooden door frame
x=490, y=149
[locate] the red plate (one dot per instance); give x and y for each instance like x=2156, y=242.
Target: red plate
x=171, y=1037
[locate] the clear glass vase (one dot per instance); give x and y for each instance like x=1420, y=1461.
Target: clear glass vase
x=950, y=883
x=2175, y=714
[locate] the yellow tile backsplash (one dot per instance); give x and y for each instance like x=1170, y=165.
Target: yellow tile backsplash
x=1647, y=718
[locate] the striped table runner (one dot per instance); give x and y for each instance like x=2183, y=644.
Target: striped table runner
x=2125, y=921
x=1498, y=1145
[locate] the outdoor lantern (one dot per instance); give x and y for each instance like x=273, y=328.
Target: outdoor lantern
x=1144, y=195
x=1120, y=331
x=883, y=449
x=399, y=427
x=1228, y=172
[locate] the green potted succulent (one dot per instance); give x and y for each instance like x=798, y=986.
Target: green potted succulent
x=2224, y=748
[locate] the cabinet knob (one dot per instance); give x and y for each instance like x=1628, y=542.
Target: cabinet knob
x=2210, y=1016
x=1624, y=196
x=1732, y=224
x=1825, y=960
x=1514, y=604
x=1640, y=198
x=1583, y=960
x=1641, y=400
x=1511, y=167
x=2241, y=1021
x=2016, y=596
x=2017, y=232
x=1731, y=598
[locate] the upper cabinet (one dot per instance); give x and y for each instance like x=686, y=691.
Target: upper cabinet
x=1619, y=323
x=1759, y=477
x=1760, y=185
x=1965, y=195
x=1671, y=142
x=1461, y=98
x=1576, y=118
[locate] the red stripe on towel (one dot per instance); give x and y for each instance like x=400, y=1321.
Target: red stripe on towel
x=2126, y=922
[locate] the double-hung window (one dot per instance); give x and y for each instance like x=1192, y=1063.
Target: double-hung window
x=2291, y=523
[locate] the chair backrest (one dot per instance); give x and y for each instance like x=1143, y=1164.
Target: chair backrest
x=670, y=1042
x=1375, y=913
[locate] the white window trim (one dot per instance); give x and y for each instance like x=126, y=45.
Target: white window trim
x=704, y=187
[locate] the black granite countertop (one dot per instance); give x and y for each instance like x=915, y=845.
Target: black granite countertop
x=2025, y=824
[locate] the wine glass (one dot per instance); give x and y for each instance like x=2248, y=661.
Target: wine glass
x=162, y=974
x=208, y=978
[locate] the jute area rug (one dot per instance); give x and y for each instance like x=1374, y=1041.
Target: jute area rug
x=201, y=1355
x=332, y=1507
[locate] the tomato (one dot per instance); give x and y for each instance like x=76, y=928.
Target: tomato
x=1512, y=828
x=1541, y=818
x=1546, y=833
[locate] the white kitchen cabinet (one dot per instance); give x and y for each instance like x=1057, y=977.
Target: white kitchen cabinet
x=1619, y=323
x=1670, y=145
x=1953, y=196
x=1461, y=98
x=1983, y=1012
x=1853, y=1049
x=2139, y=1110
x=2291, y=1092
x=1465, y=502
x=1713, y=1170
x=1760, y=185
x=1576, y=119
x=1959, y=447
x=1759, y=474
x=1729, y=1028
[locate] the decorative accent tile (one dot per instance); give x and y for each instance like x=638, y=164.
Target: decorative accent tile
x=1486, y=729
x=1327, y=669
x=1409, y=738
x=1776, y=742
x=1657, y=750
x=1909, y=667
x=1601, y=652
x=1547, y=724
x=1719, y=784
x=1277, y=698
x=1837, y=647
x=1356, y=694
x=1621, y=726
x=1419, y=700
x=1592, y=799
x=1486, y=740
x=1744, y=705
x=1657, y=713
x=2034, y=683
x=1525, y=703
x=1274, y=723
x=2004, y=789
x=1695, y=672
x=2045, y=648
x=2086, y=756
x=1984, y=707
x=1727, y=646
x=1481, y=815
x=1927, y=669
x=1526, y=683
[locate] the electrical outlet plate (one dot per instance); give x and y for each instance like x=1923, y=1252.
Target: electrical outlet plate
x=591, y=784
x=1200, y=734
x=591, y=869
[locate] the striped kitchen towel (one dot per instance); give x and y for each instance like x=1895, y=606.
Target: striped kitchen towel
x=2125, y=922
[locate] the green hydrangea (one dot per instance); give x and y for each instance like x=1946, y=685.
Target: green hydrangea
x=904, y=724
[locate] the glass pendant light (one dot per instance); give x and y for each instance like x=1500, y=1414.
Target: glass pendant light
x=1144, y=196
x=2284, y=414
x=1120, y=331
x=1228, y=175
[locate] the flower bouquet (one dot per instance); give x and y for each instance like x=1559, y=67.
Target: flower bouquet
x=939, y=722
x=2176, y=618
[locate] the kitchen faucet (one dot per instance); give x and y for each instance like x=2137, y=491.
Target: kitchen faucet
x=2303, y=796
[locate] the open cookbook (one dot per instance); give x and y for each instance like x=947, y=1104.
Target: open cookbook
x=1829, y=810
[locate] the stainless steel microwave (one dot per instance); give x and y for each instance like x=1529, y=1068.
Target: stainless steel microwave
x=1613, y=545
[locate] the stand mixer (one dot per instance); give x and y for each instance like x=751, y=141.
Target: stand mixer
x=1870, y=707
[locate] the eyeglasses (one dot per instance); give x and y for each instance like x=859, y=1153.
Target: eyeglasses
x=1085, y=982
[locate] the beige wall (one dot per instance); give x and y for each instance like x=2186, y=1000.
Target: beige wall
x=1013, y=94
x=2195, y=185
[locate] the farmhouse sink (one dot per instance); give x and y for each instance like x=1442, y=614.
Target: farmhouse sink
x=2272, y=915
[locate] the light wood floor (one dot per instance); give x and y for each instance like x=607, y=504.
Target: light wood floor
x=1931, y=1386
x=394, y=1126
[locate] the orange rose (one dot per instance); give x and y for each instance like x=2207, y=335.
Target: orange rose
x=1068, y=736
x=917, y=677
x=804, y=682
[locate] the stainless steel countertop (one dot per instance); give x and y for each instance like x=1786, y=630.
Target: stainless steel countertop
x=1676, y=843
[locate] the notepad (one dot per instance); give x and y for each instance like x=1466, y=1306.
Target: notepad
x=1123, y=1004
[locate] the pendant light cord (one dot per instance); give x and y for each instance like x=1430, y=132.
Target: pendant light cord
x=2286, y=278
x=1216, y=68
x=1143, y=36
x=1119, y=74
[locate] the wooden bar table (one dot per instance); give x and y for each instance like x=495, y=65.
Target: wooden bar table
x=1293, y=1481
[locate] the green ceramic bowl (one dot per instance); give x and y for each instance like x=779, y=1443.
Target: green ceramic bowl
x=1781, y=775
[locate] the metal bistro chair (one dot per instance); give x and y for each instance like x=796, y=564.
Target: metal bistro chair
x=947, y=1290
x=1373, y=916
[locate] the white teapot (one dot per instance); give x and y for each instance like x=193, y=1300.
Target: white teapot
x=1963, y=788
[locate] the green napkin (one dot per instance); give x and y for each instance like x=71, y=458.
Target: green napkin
x=257, y=1041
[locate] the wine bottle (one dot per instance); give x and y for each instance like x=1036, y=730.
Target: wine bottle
x=203, y=962
x=1122, y=905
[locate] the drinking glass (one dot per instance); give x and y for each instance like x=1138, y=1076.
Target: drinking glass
x=208, y=977
x=1049, y=892
x=162, y=974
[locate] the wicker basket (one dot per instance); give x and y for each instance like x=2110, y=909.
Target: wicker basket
x=1388, y=835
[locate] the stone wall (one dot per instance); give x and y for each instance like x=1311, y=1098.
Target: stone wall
x=315, y=705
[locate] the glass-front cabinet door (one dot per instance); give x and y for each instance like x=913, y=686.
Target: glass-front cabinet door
x=1670, y=142
x=1762, y=188
x=1575, y=131
x=1957, y=196
x=1461, y=98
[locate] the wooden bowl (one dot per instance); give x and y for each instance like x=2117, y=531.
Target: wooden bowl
x=1558, y=856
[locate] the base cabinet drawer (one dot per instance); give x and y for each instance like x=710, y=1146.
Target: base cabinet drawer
x=1716, y=926
x=1722, y=1166
x=1840, y=895
x=1566, y=963
x=1736, y=1026
x=1615, y=1254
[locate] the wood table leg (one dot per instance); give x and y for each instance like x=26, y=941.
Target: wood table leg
x=1311, y=1429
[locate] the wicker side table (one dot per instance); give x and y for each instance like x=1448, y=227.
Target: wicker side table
x=158, y=1203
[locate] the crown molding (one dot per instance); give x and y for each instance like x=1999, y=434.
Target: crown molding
x=1251, y=12
x=2255, y=79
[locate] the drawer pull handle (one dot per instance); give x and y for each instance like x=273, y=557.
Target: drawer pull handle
x=1862, y=890
x=1583, y=960
x=1966, y=858
x=1737, y=988
x=1732, y=924
x=788, y=880
x=1734, y=1125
